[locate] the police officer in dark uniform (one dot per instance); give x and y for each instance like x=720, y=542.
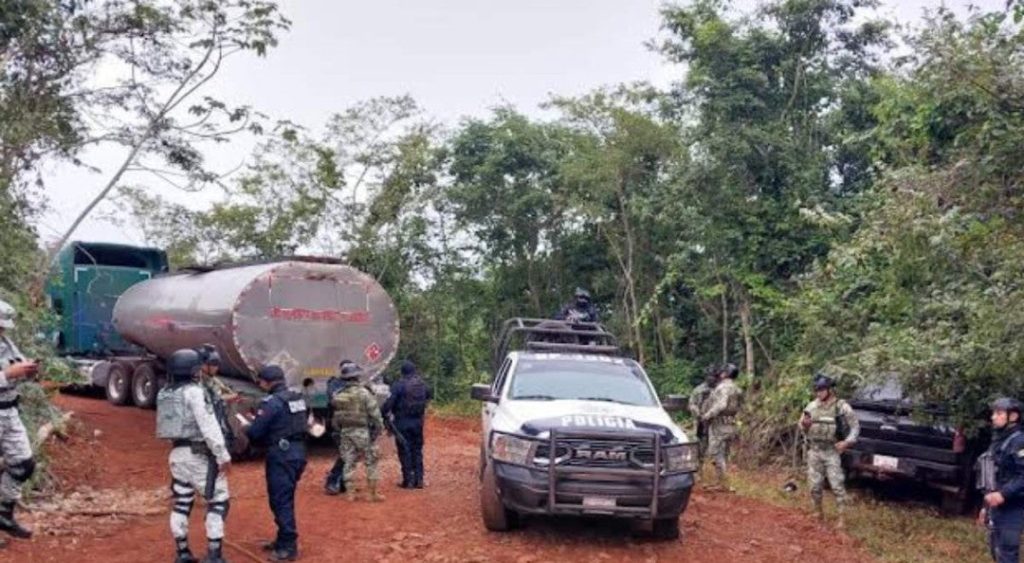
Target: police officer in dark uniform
x=280, y=425
x=1004, y=495
x=407, y=404
x=581, y=310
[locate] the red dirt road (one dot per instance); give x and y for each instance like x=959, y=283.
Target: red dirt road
x=115, y=448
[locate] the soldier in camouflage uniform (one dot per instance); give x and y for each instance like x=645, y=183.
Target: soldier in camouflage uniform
x=720, y=415
x=698, y=399
x=820, y=423
x=358, y=421
x=14, y=444
x=199, y=459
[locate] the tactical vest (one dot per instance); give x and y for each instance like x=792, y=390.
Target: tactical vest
x=350, y=408
x=297, y=412
x=220, y=412
x=824, y=421
x=174, y=420
x=414, y=398
x=9, y=355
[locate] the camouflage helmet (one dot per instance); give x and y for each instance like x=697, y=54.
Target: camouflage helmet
x=1006, y=404
x=351, y=370
x=7, y=314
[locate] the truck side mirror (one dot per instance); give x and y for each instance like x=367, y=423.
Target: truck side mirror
x=674, y=403
x=482, y=392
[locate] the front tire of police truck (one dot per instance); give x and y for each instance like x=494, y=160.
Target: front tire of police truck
x=496, y=517
x=665, y=528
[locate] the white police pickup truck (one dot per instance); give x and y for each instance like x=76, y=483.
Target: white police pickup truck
x=570, y=427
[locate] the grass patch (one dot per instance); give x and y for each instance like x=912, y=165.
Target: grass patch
x=458, y=408
x=892, y=531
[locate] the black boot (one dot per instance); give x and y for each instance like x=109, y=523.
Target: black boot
x=213, y=553
x=418, y=482
x=335, y=482
x=182, y=553
x=9, y=524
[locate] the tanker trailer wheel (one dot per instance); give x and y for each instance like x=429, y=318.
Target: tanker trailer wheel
x=145, y=386
x=119, y=385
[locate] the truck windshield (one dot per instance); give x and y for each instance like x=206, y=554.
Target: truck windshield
x=551, y=380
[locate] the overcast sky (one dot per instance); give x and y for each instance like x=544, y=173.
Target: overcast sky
x=455, y=57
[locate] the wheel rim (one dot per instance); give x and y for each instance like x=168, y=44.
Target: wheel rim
x=142, y=389
x=114, y=386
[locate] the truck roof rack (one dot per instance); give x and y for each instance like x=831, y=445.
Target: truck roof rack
x=549, y=335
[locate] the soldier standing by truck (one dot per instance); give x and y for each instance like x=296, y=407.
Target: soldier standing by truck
x=358, y=422
x=14, y=445
x=199, y=458
x=831, y=427
x=1001, y=478
x=720, y=416
x=698, y=398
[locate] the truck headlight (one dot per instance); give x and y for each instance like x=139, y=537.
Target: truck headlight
x=681, y=458
x=510, y=449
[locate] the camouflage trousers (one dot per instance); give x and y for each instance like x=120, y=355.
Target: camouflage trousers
x=721, y=435
x=824, y=462
x=188, y=476
x=15, y=449
x=356, y=443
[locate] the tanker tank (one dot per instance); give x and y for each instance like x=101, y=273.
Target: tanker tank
x=303, y=316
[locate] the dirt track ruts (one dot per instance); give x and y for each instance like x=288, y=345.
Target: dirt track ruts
x=115, y=448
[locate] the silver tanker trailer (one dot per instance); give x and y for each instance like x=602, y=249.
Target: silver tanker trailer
x=304, y=315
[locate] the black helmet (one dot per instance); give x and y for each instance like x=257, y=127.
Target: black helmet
x=731, y=371
x=208, y=355
x=1007, y=404
x=271, y=373
x=822, y=381
x=183, y=365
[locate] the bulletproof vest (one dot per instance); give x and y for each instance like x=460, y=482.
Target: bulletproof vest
x=350, y=408
x=414, y=398
x=174, y=420
x=825, y=421
x=989, y=476
x=297, y=413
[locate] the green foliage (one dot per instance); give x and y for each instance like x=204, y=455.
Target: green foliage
x=927, y=288
x=794, y=203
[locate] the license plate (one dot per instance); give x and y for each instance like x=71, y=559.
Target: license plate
x=885, y=462
x=598, y=502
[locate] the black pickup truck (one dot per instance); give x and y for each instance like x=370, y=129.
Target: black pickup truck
x=923, y=447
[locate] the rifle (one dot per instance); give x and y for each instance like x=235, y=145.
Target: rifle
x=390, y=426
x=212, y=471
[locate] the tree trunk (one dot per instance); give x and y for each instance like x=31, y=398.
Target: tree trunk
x=628, y=269
x=748, y=338
x=725, y=327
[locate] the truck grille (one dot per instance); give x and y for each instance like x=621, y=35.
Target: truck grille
x=598, y=452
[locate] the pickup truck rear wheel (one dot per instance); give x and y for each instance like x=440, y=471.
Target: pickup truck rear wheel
x=496, y=517
x=665, y=528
